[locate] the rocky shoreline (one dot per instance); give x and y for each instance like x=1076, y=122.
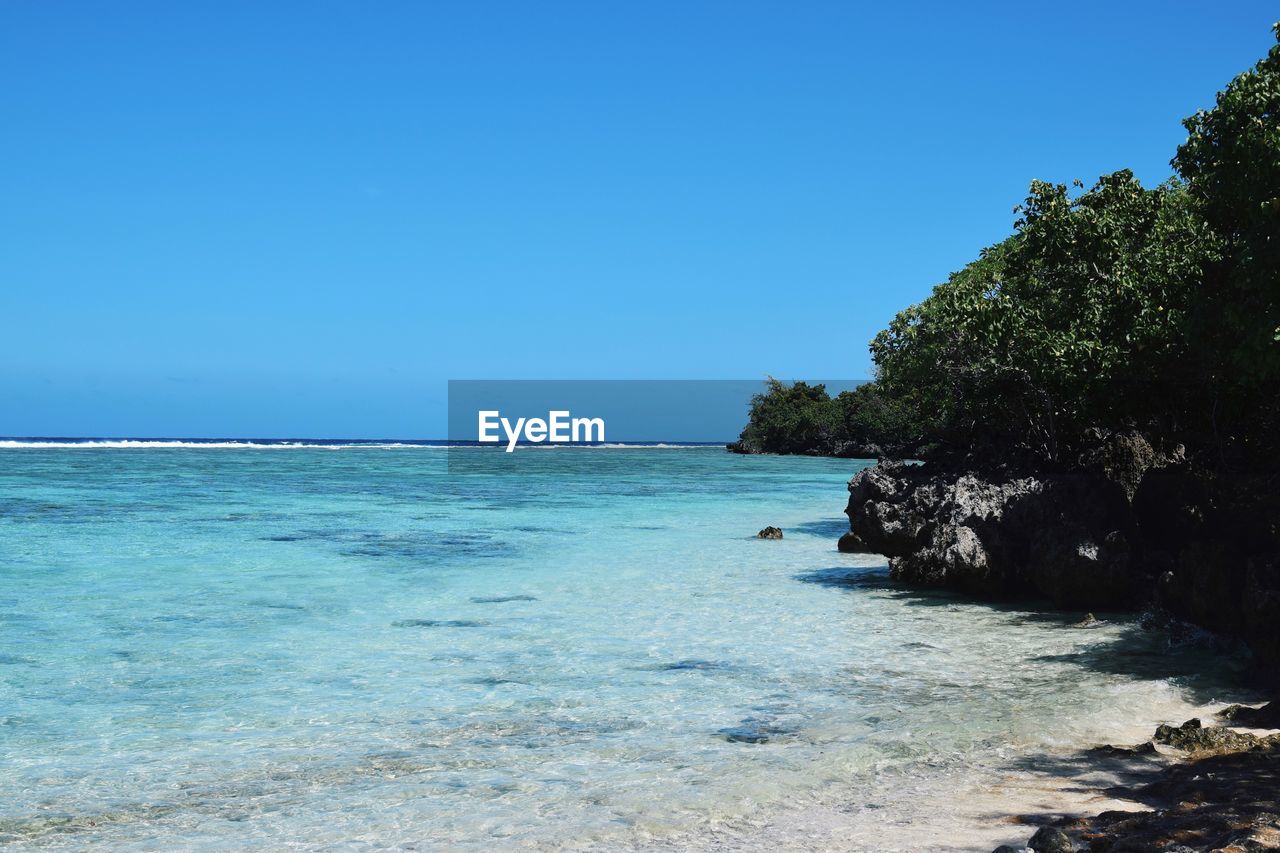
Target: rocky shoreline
x=1192, y=787
x=1131, y=528
x=1128, y=528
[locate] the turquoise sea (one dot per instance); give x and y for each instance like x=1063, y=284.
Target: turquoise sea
x=334, y=647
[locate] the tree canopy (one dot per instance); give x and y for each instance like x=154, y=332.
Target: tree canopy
x=1115, y=306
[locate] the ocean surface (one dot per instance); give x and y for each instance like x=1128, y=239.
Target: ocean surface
x=237, y=646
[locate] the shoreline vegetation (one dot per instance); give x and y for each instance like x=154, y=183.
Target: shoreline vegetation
x=1096, y=404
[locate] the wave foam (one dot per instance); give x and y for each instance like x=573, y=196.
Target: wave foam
x=130, y=443
x=246, y=444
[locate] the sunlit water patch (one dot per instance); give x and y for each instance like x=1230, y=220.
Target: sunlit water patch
x=222, y=647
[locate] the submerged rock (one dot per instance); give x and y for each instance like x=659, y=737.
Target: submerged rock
x=696, y=664
x=744, y=734
x=1049, y=839
x=439, y=623
x=752, y=730
x=770, y=533
x=850, y=544
x=1147, y=748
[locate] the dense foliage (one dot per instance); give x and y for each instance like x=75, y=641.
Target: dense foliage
x=804, y=418
x=1074, y=322
x=1231, y=162
x=1116, y=307
x=793, y=418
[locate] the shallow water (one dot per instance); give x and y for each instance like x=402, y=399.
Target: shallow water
x=236, y=647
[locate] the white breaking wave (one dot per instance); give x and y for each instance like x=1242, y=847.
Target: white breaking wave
x=130, y=443
x=137, y=444
x=662, y=445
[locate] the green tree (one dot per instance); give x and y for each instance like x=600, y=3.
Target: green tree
x=1114, y=307
x=795, y=418
x=1231, y=162
x=869, y=416
x=1066, y=325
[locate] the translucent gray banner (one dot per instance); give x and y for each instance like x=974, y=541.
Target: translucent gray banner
x=508, y=417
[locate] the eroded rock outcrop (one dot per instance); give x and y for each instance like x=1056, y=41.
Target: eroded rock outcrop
x=1066, y=536
x=1266, y=717
x=1192, y=736
x=1125, y=527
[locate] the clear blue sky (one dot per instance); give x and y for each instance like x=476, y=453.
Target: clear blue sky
x=300, y=219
